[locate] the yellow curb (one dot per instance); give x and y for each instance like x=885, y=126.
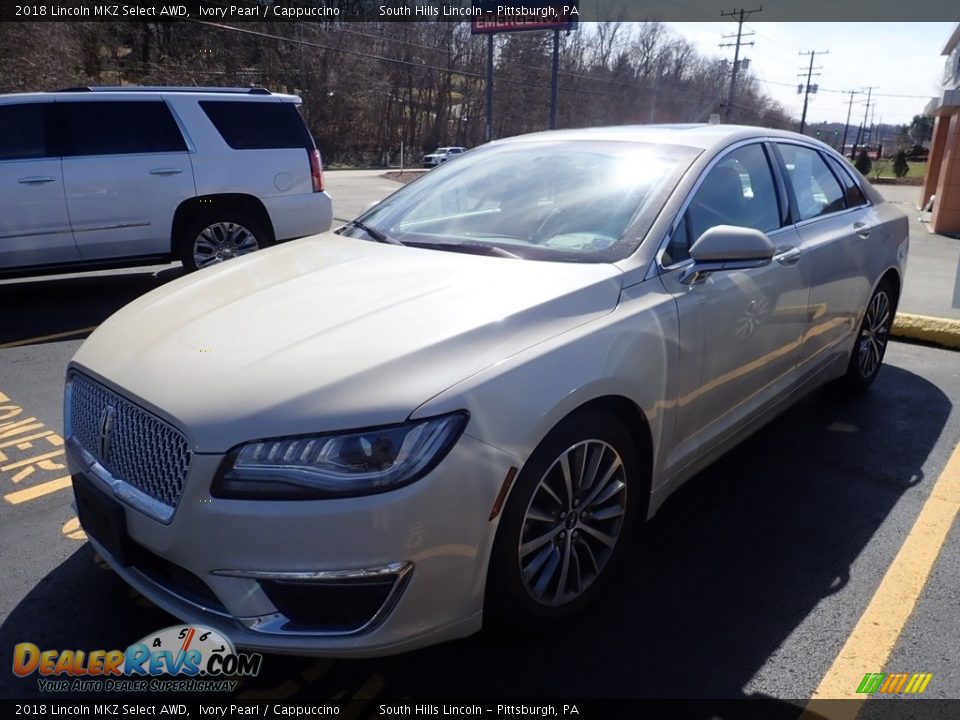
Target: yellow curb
x=940, y=331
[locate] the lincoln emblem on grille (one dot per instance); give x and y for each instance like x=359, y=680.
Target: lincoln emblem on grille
x=108, y=419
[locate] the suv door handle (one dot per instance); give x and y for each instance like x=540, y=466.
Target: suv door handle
x=166, y=171
x=35, y=179
x=789, y=257
x=862, y=230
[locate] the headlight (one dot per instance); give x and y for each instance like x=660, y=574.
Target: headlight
x=348, y=464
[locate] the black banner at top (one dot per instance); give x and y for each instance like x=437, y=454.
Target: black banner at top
x=852, y=11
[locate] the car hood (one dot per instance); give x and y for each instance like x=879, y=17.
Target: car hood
x=330, y=333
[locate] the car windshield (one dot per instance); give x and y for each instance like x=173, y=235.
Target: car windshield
x=565, y=201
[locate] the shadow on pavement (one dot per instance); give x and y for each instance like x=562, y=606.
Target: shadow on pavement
x=49, y=305
x=730, y=566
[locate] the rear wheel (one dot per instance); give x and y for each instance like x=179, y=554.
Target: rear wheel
x=872, y=338
x=567, y=523
x=209, y=239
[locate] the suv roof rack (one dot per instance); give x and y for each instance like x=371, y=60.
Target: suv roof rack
x=163, y=88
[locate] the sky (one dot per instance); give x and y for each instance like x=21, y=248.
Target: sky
x=899, y=59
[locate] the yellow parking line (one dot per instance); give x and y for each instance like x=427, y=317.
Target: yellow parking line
x=873, y=639
x=41, y=338
x=22, y=496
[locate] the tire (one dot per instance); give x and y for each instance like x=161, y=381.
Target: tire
x=524, y=587
x=872, y=338
x=211, y=239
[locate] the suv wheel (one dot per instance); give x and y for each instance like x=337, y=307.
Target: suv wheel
x=208, y=240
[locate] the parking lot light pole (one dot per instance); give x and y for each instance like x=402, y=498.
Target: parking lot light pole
x=489, y=87
x=554, y=85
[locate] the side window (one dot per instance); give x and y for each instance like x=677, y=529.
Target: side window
x=817, y=190
x=852, y=191
x=739, y=190
x=119, y=128
x=23, y=131
x=248, y=125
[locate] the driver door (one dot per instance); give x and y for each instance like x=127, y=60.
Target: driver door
x=740, y=330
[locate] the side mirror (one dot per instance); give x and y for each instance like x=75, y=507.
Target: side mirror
x=729, y=243
x=727, y=247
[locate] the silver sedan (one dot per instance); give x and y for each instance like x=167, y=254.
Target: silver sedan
x=456, y=408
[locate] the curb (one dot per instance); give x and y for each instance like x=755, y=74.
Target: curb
x=939, y=331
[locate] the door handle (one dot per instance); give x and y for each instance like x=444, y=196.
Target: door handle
x=35, y=179
x=862, y=230
x=789, y=257
x=166, y=171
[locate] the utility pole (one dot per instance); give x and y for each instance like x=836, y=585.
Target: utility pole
x=741, y=15
x=863, y=125
x=846, y=127
x=806, y=88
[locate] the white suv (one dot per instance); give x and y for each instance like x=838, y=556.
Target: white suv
x=96, y=177
x=441, y=155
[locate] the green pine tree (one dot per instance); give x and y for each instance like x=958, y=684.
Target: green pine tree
x=900, y=167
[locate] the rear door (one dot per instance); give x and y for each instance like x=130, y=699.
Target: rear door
x=34, y=226
x=834, y=222
x=126, y=169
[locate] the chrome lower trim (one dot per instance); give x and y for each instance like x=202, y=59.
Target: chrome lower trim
x=274, y=623
x=122, y=491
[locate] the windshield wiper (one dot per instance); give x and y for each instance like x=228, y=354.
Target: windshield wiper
x=377, y=235
x=474, y=248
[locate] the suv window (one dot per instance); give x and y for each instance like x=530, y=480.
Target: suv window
x=817, y=190
x=118, y=127
x=258, y=125
x=739, y=190
x=23, y=131
x=854, y=195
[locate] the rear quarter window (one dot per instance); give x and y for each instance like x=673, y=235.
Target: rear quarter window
x=258, y=125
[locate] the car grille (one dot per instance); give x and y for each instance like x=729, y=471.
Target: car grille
x=144, y=451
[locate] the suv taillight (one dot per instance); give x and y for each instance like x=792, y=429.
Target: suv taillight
x=316, y=170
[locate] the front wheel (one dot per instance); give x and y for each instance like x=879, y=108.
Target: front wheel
x=566, y=524
x=872, y=338
x=209, y=240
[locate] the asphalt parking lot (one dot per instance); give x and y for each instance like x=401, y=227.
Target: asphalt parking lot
x=748, y=583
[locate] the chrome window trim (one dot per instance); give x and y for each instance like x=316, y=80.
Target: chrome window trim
x=835, y=155
x=657, y=266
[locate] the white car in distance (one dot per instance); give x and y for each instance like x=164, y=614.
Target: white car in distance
x=458, y=406
x=441, y=155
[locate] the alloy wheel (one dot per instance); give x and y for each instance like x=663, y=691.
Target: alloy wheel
x=572, y=522
x=874, y=333
x=222, y=241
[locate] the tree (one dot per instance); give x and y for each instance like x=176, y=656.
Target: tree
x=863, y=162
x=921, y=129
x=900, y=167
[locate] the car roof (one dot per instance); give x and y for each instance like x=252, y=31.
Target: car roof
x=702, y=136
x=108, y=92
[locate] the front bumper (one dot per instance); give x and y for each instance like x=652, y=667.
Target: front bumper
x=222, y=563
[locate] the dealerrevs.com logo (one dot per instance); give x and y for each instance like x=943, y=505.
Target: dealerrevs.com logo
x=198, y=659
